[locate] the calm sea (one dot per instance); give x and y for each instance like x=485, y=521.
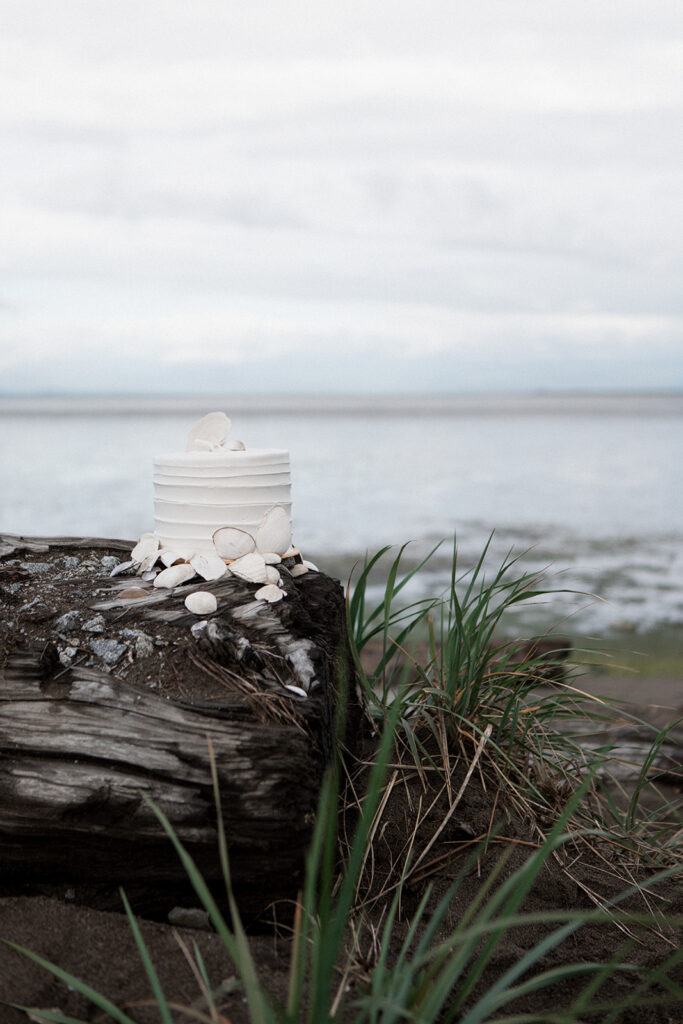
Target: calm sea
x=589, y=488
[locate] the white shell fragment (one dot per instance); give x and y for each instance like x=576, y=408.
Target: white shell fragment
x=174, y=575
x=298, y=570
x=296, y=689
x=146, y=551
x=201, y=602
x=310, y=565
x=270, y=557
x=209, y=433
x=209, y=567
x=122, y=567
x=270, y=593
x=272, y=575
x=170, y=558
x=275, y=531
x=231, y=543
x=251, y=568
x=235, y=446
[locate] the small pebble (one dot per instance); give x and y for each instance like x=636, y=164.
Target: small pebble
x=190, y=917
x=109, y=562
x=71, y=562
x=37, y=568
x=108, y=650
x=95, y=625
x=67, y=656
x=68, y=622
x=143, y=647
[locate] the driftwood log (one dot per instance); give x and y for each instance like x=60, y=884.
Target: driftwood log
x=113, y=695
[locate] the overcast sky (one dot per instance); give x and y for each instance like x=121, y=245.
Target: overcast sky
x=354, y=196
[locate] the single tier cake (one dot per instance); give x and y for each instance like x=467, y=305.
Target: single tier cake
x=215, y=484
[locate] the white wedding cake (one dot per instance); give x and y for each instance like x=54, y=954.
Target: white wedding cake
x=217, y=484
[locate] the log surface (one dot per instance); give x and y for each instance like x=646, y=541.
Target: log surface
x=109, y=701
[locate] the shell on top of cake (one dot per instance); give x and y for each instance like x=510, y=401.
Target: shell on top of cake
x=220, y=508
x=217, y=484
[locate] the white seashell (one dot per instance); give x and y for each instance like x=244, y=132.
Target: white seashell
x=201, y=602
x=170, y=558
x=310, y=565
x=231, y=543
x=270, y=593
x=270, y=557
x=146, y=551
x=298, y=570
x=275, y=531
x=210, y=433
x=148, y=574
x=251, y=568
x=122, y=567
x=272, y=575
x=296, y=689
x=235, y=446
x=174, y=575
x=209, y=567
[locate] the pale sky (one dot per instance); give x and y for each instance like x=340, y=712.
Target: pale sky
x=387, y=196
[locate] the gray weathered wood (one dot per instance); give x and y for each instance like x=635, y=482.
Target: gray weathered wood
x=84, y=747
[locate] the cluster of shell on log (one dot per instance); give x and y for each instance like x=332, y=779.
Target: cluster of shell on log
x=252, y=558
x=247, y=557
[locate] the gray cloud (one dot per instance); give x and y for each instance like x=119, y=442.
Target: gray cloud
x=475, y=184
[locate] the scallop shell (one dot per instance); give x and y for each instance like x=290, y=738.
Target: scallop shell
x=298, y=570
x=251, y=568
x=209, y=433
x=174, y=575
x=231, y=543
x=270, y=593
x=275, y=531
x=201, y=602
x=209, y=567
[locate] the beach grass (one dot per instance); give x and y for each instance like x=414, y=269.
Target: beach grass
x=452, y=707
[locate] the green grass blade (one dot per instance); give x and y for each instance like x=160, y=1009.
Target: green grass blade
x=80, y=986
x=150, y=970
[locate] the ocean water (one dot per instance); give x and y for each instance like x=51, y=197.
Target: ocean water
x=589, y=489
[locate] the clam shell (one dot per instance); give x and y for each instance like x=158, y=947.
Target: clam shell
x=235, y=446
x=270, y=557
x=174, y=575
x=270, y=593
x=132, y=593
x=310, y=565
x=201, y=602
x=231, y=543
x=272, y=575
x=209, y=567
x=146, y=551
x=298, y=570
x=251, y=568
x=122, y=567
x=170, y=558
x=275, y=531
x=209, y=433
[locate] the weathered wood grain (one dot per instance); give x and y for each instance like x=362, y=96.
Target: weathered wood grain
x=85, y=747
